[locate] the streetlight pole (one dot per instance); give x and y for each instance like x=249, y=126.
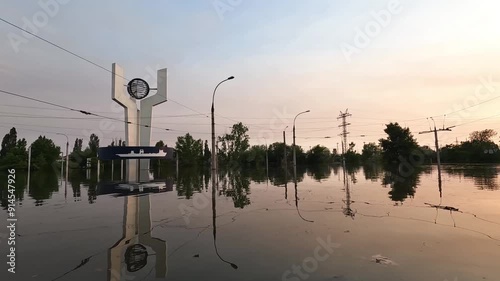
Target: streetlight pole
x=213, y=131
x=284, y=144
x=267, y=159
x=29, y=167
x=62, y=166
x=67, y=155
x=294, y=153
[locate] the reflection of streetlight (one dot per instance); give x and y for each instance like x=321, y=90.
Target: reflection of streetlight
x=297, y=200
x=267, y=158
x=294, y=156
x=29, y=167
x=284, y=145
x=62, y=166
x=213, y=123
x=67, y=155
x=214, y=216
x=67, y=165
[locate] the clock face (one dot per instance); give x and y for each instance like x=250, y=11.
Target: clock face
x=138, y=88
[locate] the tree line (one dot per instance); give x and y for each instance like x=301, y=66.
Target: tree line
x=234, y=149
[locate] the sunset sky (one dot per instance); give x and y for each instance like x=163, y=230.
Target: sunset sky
x=428, y=59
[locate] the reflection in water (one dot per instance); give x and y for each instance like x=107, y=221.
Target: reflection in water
x=75, y=179
x=485, y=177
x=214, y=224
x=297, y=197
x=372, y=171
x=319, y=172
x=347, y=210
x=130, y=254
x=42, y=185
x=190, y=181
x=236, y=185
x=19, y=191
x=403, y=183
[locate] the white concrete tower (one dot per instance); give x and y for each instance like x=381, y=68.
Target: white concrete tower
x=138, y=132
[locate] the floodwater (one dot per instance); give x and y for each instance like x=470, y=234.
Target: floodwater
x=360, y=224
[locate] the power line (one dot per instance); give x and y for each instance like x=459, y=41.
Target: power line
x=77, y=110
x=81, y=57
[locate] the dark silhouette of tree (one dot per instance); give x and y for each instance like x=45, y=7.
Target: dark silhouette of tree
x=93, y=145
x=318, y=155
x=371, y=152
x=403, y=185
x=237, y=186
x=319, y=171
x=255, y=156
x=207, y=155
x=399, y=144
x=233, y=145
x=44, y=153
x=482, y=136
x=190, y=181
x=13, y=153
x=9, y=142
x=189, y=150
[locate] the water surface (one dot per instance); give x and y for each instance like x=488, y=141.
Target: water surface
x=260, y=225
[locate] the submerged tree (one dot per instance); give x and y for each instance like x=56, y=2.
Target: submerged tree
x=234, y=144
x=318, y=155
x=371, y=152
x=189, y=150
x=13, y=153
x=399, y=144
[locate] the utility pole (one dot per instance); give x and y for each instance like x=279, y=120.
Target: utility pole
x=284, y=145
x=437, y=144
x=344, y=134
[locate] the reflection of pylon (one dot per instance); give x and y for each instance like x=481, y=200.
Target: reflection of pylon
x=348, y=212
x=344, y=134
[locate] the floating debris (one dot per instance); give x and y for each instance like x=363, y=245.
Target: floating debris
x=443, y=207
x=383, y=260
x=196, y=256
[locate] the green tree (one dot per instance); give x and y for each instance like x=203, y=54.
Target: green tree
x=77, y=147
x=484, y=136
x=234, y=144
x=351, y=156
x=44, y=153
x=480, y=148
x=13, y=152
x=189, y=150
x=9, y=142
x=371, y=152
x=93, y=145
x=255, y=156
x=318, y=155
x=399, y=144
x=160, y=144
x=207, y=155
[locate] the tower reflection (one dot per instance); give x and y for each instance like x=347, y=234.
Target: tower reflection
x=131, y=256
